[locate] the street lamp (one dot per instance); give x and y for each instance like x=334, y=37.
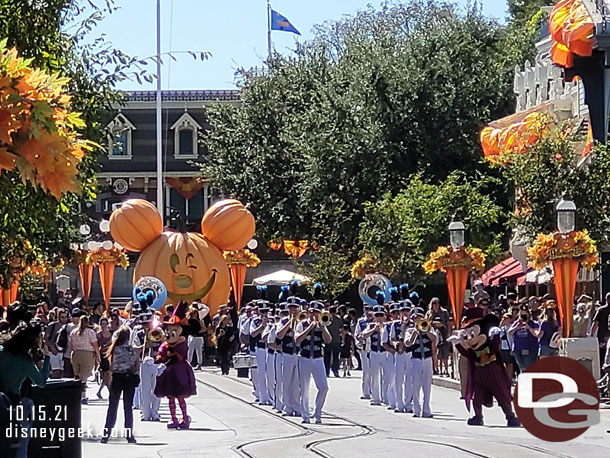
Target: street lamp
x=566, y=216
x=456, y=234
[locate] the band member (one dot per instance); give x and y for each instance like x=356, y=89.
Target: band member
x=311, y=335
x=377, y=353
x=259, y=345
x=268, y=336
x=403, y=379
x=250, y=343
x=421, y=338
x=364, y=347
x=290, y=376
x=389, y=372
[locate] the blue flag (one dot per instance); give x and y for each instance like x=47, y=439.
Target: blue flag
x=279, y=22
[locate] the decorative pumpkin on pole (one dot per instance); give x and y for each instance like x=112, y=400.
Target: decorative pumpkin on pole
x=191, y=265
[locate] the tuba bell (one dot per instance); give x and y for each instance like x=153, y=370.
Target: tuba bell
x=424, y=325
x=370, y=284
x=326, y=318
x=155, y=335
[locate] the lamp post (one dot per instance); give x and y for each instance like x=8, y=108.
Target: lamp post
x=566, y=216
x=457, y=237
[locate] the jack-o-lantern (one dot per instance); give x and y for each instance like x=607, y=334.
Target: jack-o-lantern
x=191, y=265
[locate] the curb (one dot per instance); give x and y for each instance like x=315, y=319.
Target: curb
x=446, y=382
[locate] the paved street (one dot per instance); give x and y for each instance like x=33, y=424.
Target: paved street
x=227, y=423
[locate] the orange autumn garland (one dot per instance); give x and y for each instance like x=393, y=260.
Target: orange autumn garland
x=100, y=255
x=244, y=257
x=37, y=129
x=576, y=245
x=446, y=257
x=364, y=266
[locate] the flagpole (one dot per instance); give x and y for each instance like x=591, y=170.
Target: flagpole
x=160, y=205
x=268, y=29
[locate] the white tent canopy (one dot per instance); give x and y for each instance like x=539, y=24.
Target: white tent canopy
x=280, y=278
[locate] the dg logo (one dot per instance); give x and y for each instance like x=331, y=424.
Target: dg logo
x=557, y=399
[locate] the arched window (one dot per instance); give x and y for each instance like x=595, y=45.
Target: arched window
x=185, y=137
x=119, y=138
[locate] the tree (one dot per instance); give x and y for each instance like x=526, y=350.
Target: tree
x=37, y=227
x=399, y=231
x=343, y=120
x=551, y=168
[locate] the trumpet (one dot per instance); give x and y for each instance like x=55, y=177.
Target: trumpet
x=424, y=325
x=326, y=318
x=155, y=335
x=301, y=316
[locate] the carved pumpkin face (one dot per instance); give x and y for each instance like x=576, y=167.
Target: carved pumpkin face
x=190, y=265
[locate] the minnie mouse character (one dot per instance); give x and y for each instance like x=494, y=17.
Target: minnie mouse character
x=479, y=342
x=177, y=381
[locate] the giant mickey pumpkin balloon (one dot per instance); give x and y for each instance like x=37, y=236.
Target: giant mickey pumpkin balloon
x=191, y=265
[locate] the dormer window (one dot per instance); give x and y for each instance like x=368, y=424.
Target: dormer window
x=185, y=137
x=119, y=139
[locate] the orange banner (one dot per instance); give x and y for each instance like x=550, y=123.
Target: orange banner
x=238, y=278
x=566, y=271
x=106, y=279
x=13, y=291
x=457, y=278
x=86, y=278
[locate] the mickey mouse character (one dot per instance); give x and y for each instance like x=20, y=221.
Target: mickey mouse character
x=177, y=381
x=479, y=342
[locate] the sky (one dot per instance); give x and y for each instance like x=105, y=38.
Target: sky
x=233, y=31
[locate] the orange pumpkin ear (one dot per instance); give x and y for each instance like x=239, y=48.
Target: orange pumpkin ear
x=136, y=224
x=228, y=225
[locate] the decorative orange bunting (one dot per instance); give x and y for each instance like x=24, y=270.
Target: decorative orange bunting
x=572, y=29
x=275, y=245
x=187, y=187
x=294, y=248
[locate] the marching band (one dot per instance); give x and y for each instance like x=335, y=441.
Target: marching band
x=287, y=342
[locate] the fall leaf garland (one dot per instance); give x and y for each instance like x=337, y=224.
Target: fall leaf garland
x=577, y=245
x=37, y=129
x=100, y=255
x=245, y=257
x=446, y=257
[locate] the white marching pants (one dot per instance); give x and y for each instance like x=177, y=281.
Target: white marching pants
x=270, y=373
x=279, y=382
x=261, y=363
x=290, y=384
x=149, y=403
x=366, y=374
x=403, y=381
x=388, y=392
x=308, y=368
x=254, y=377
x=377, y=360
x=421, y=370
x=196, y=347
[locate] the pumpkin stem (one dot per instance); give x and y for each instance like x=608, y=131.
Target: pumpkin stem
x=178, y=220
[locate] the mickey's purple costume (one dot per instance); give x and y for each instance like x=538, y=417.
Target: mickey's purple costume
x=479, y=342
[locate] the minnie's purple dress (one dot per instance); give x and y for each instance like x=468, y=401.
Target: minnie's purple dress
x=178, y=380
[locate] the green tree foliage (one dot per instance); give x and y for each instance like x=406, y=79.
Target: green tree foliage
x=353, y=113
x=551, y=169
x=399, y=231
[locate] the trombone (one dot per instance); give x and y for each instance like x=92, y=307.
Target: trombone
x=303, y=315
